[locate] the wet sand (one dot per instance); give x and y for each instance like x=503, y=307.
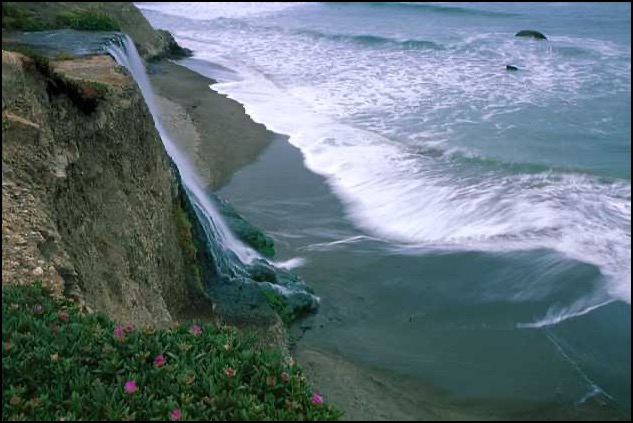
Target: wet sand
x=212, y=129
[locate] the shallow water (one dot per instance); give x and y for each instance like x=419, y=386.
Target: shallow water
x=440, y=316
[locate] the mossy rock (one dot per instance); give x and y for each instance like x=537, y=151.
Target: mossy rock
x=245, y=231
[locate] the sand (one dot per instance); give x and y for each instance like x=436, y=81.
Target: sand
x=214, y=131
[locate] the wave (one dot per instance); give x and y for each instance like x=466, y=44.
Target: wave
x=604, y=176
x=403, y=197
x=555, y=315
x=437, y=8
x=374, y=40
x=200, y=11
x=329, y=246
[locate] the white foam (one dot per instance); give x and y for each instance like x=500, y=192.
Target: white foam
x=555, y=315
x=212, y=10
x=289, y=264
x=327, y=246
x=401, y=197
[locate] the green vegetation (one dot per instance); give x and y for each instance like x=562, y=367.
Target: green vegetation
x=15, y=16
x=281, y=306
x=187, y=245
x=60, y=363
x=88, y=20
x=245, y=231
x=28, y=18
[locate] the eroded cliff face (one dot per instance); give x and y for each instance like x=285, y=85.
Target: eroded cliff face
x=90, y=202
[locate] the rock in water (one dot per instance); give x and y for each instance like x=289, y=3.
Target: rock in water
x=511, y=68
x=246, y=232
x=531, y=33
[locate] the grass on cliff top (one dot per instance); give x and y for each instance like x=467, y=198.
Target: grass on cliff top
x=59, y=363
x=33, y=17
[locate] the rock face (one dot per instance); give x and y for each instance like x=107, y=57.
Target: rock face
x=90, y=200
x=531, y=33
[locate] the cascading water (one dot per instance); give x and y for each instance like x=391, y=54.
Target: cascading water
x=229, y=253
x=234, y=259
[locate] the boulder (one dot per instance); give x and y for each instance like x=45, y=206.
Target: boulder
x=531, y=33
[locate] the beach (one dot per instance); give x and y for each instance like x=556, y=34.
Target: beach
x=214, y=132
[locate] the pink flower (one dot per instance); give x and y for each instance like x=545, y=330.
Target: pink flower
x=175, y=414
x=159, y=360
x=118, y=332
x=129, y=327
x=63, y=316
x=230, y=372
x=130, y=387
x=285, y=377
x=38, y=308
x=316, y=398
x=196, y=330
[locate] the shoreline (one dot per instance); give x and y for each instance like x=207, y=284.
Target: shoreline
x=214, y=131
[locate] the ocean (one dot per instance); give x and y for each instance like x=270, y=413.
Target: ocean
x=463, y=224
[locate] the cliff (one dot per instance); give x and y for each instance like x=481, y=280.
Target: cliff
x=90, y=201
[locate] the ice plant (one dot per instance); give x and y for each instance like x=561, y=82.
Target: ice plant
x=55, y=357
x=285, y=377
x=175, y=414
x=159, y=360
x=129, y=327
x=196, y=330
x=230, y=372
x=38, y=308
x=130, y=387
x=316, y=398
x=118, y=332
x=63, y=316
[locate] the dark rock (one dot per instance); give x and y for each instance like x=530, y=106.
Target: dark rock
x=531, y=33
x=171, y=49
x=261, y=271
x=511, y=68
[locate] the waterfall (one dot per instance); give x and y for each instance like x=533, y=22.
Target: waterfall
x=230, y=253
x=235, y=261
